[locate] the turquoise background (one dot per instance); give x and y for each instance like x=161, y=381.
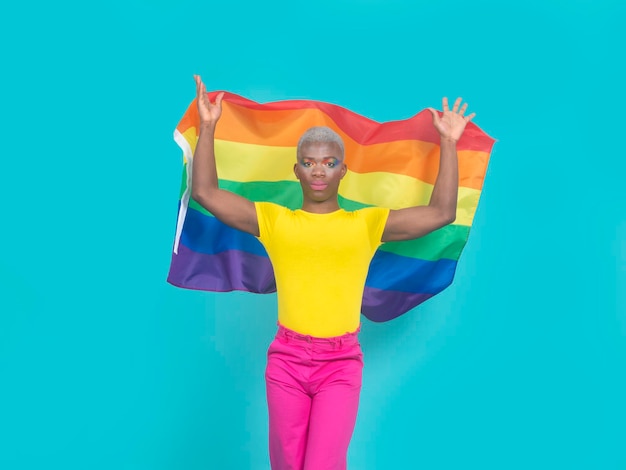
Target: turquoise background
x=520, y=364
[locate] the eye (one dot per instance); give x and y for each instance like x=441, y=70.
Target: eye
x=331, y=164
x=306, y=164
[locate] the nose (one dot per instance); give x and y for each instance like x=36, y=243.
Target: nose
x=318, y=170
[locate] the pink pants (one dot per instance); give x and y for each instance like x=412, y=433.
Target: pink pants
x=313, y=386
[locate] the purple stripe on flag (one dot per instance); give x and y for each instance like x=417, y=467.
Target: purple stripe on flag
x=221, y=272
x=384, y=305
x=238, y=270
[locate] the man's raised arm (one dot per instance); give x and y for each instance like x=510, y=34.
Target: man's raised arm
x=230, y=208
x=415, y=222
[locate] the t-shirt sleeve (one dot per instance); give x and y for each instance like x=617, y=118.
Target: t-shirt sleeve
x=266, y=213
x=376, y=219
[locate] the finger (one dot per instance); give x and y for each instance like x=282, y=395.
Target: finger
x=469, y=117
x=463, y=109
x=200, y=88
x=218, y=99
x=444, y=104
x=457, y=103
x=435, y=114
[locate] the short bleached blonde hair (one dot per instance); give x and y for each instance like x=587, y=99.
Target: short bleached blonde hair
x=320, y=134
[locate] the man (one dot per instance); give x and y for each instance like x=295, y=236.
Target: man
x=320, y=255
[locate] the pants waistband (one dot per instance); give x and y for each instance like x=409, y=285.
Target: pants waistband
x=346, y=339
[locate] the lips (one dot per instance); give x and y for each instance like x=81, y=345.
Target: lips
x=318, y=186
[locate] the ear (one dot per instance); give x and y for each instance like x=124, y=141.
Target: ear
x=344, y=170
x=295, y=170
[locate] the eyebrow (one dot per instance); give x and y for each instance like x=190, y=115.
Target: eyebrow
x=324, y=159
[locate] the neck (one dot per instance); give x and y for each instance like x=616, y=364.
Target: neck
x=324, y=207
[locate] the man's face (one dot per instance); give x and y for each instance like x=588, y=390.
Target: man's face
x=320, y=168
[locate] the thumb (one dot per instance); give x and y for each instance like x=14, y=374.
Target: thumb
x=435, y=114
x=218, y=99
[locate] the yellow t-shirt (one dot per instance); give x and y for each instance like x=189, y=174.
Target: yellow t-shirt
x=320, y=263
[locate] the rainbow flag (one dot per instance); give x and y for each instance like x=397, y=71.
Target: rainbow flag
x=392, y=164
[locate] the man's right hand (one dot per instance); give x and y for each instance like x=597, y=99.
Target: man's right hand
x=209, y=112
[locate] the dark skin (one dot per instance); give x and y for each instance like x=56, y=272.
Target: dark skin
x=320, y=168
